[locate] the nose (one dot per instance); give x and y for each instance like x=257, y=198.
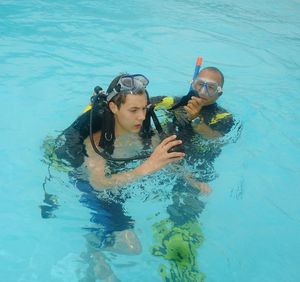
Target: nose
x=141, y=115
x=203, y=91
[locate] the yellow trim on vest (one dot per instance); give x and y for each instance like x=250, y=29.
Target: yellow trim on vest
x=166, y=102
x=87, y=108
x=218, y=117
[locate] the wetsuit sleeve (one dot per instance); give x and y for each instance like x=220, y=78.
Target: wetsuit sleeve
x=163, y=102
x=222, y=122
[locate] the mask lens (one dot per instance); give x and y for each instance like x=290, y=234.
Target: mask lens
x=211, y=88
x=133, y=82
x=142, y=79
x=204, y=87
x=127, y=82
x=198, y=84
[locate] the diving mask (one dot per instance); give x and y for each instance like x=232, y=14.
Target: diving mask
x=129, y=84
x=208, y=88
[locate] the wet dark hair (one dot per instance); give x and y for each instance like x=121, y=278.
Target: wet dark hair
x=215, y=70
x=121, y=98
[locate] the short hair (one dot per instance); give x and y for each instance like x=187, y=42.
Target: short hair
x=215, y=70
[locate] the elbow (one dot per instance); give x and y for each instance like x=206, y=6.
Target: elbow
x=99, y=183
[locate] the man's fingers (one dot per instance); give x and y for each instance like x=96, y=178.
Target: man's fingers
x=167, y=140
x=198, y=100
x=171, y=144
x=191, y=109
x=195, y=101
x=176, y=155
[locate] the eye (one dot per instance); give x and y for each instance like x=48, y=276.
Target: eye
x=212, y=87
x=201, y=83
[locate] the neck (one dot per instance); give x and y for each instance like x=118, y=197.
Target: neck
x=119, y=131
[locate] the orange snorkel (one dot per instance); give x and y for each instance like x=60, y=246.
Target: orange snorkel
x=197, y=69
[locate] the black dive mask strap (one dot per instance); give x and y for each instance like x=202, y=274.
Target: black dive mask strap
x=156, y=121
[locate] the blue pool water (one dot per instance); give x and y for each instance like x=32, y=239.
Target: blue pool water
x=52, y=54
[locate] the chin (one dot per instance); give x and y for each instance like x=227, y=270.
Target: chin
x=135, y=130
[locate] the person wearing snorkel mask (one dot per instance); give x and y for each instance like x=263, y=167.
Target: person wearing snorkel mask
x=207, y=117
x=199, y=122
x=199, y=107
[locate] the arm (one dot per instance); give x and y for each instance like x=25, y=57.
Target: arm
x=158, y=159
x=205, y=130
x=203, y=187
x=164, y=102
x=193, y=109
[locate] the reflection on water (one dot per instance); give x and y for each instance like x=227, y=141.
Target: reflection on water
x=179, y=236
x=112, y=230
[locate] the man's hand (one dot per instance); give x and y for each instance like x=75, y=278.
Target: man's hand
x=161, y=157
x=203, y=187
x=193, y=107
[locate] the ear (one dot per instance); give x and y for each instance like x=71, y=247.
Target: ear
x=113, y=107
x=220, y=91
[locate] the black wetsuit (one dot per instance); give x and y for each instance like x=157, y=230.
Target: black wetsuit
x=200, y=153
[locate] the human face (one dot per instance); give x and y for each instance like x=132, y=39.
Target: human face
x=209, y=77
x=129, y=116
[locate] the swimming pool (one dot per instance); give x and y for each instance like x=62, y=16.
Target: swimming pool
x=52, y=54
